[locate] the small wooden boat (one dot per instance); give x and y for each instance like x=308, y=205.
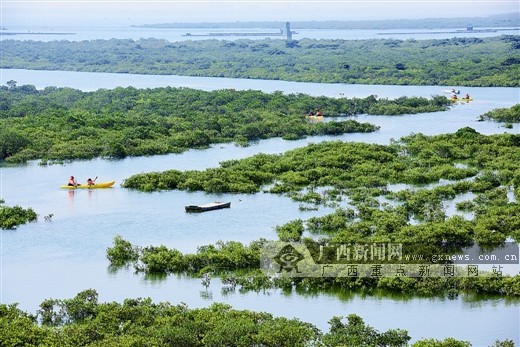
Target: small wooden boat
x=208, y=207
x=108, y=184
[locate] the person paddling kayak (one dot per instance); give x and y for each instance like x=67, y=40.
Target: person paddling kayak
x=72, y=182
x=91, y=182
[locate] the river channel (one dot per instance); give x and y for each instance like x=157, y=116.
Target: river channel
x=50, y=33
x=59, y=258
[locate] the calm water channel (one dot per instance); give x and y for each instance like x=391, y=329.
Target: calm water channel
x=50, y=33
x=57, y=259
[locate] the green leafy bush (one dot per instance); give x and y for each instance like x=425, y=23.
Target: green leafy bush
x=11, y=217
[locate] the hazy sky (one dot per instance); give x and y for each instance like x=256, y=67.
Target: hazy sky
x=124, y=13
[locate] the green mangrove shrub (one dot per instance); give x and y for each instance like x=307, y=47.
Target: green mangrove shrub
x=13, y=216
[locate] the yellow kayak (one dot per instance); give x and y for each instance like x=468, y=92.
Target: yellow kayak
x=91, y=186
x=460, y=99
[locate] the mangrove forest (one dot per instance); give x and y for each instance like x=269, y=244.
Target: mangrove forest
x=64, y=123
x=83, y=321
x=357, y=179
x=464, y=61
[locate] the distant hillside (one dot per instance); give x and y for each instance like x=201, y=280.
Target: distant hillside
x=502, y=20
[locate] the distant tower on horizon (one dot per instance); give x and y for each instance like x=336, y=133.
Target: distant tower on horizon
x=288, y=31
